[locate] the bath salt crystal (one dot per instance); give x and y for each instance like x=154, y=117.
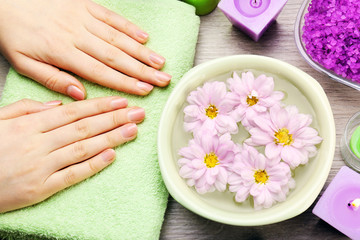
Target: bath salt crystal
x=331, y=36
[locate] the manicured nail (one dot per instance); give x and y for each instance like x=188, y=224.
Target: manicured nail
x=136, y=114
x=142, y=35
x=128, y=130
x=162, y=76
x=144, y=86
x=157, y=59
x=75, y=93
x=54, y=103
x=108, y=155
x=119, y=103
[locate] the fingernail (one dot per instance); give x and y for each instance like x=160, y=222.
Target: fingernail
x=144, y=86
x=108, y=155
x=141, y=34
x=157, y=59
x=75, y=93
x=136, y=114
x=128, y=130
x=54, y=103
x=119, y=103
x=163, y=77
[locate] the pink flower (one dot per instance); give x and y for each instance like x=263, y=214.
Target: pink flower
x=285, y=134
x=205, y=161
x=252, y=97
x=267, y=181
x=209, y=110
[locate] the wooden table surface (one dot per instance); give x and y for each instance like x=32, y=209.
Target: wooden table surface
x=217, y=39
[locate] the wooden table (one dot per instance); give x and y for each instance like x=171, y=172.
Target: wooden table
x=217, y=39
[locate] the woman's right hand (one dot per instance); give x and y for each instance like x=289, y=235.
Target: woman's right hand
x=46, y=148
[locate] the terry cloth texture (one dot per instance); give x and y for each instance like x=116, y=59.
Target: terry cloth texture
x=128, y=199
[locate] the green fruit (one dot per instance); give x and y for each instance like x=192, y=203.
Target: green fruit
x=203, y=7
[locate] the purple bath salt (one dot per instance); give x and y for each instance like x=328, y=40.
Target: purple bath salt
x=331, y=36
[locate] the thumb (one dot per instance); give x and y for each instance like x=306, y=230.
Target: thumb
x=25, y=106
x=50, y=76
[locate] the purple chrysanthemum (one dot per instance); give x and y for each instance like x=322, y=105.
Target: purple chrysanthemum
x=209, y=109
x=252, y=96
x=267, y=181
x=286, y=134
x=205, y=161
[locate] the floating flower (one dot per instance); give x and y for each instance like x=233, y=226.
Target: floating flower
x=285, y=134
x=205, y=161
x=267, y=181
x=209, y=110
x=252, y=97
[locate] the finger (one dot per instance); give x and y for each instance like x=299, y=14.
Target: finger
x=122, y=62
x=118, y=22
x=126, y=44
x=51, y=77
x=89, y=127
x=85, y=149
x=24, y=107
x=79, y=172
x=95, y=71
x=74, y=111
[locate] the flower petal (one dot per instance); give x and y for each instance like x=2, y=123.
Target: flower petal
x=258, y=137
x=242, y=194
x=264, y=123
x=273, y=150
x=210, y=179
x=256, y=189
x=292, y=156
x=186, y=172
x=222, y=176
x=234, y=179
x=198, y=174
x=279, y=117
x=197, y=164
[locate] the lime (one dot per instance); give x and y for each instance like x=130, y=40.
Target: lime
x=203, y=7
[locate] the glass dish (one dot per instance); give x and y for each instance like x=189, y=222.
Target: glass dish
x=299, y=23
x=350, y=158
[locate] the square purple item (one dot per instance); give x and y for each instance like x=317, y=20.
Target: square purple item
x=333, y=205
x=252, y=16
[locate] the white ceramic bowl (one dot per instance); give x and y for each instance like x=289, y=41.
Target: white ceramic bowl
x=301, y=90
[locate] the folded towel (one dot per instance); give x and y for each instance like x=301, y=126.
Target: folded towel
x=128, y=199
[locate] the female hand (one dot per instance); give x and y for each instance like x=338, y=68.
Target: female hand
x=46, y=148
x=43, y=39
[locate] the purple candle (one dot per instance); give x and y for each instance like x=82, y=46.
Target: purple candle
x=252, y=16
x=339, y=204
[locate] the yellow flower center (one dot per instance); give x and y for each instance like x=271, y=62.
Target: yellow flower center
x=211, y=160
x=282, y=136
x=211, y=111
x=252, y=98
x=261, y=176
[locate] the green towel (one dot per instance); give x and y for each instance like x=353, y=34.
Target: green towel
x=128, y=199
